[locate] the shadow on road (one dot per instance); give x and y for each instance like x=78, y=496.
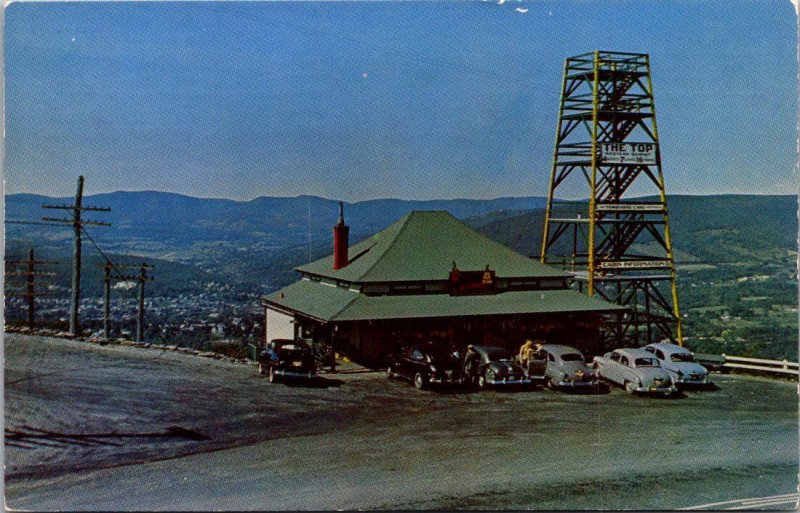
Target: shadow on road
x=712, y=387
x=318, y=382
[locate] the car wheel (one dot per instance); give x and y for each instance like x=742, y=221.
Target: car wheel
x=420, y=381
x=629, y=387
x=389, y=372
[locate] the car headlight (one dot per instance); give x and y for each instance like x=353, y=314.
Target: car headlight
x=433, y=368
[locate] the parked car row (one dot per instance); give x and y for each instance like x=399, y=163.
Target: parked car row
x=557, y=366
x=661, y=369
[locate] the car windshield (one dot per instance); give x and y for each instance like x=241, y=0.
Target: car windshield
x=682, y=357
x=572, y=357
x=645, y=362
x=292, y=348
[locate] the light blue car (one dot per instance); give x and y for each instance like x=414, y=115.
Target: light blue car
x=636, y=370
x=680, y=364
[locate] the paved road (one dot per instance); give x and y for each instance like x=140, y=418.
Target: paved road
x=367, y=443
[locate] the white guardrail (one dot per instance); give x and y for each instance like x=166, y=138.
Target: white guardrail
x=779, y=366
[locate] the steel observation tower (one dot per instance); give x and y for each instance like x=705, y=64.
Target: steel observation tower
x=607, y=147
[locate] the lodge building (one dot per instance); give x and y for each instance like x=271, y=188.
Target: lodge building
x=430, y=277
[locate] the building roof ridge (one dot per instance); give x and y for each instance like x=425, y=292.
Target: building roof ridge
x=389, y=245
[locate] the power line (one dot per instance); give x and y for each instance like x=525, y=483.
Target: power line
x=14, y=221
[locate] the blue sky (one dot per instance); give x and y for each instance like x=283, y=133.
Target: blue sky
x=362, y=100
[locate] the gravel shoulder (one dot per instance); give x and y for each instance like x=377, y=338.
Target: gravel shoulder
x=360, y=441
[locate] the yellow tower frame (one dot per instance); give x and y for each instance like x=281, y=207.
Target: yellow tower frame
x=617, y=247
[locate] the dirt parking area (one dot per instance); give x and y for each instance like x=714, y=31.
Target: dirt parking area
x=221, y=437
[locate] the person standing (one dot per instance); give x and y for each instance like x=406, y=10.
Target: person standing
x=525, y=352
x=471, y=359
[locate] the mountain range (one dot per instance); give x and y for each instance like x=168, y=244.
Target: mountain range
x=249, y=242
x=259, y=242
x=736, y=254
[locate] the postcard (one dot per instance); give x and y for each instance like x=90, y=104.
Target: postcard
x=418, y=255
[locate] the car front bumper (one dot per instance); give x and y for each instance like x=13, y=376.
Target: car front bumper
x=692, y=381
x=656, y=390
x=504, y=381
x=577, y=384
x=295, y=374
x=444, y=380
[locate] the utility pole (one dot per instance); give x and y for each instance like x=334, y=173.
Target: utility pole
x=141, y=278
x=106, y=298
x=30, y=273
x=140, y=314
x=77, y=223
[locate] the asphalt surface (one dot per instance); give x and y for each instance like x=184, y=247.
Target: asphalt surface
x=221, y=437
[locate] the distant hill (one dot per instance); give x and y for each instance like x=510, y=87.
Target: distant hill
x=174, y=219
x=704, y=228
x=171, y=278
x=736, y=254
x=247, y=241
x=261, y=241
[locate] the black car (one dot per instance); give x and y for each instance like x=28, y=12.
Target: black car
x=496, y=366
x=287, y=358
x=424, y=364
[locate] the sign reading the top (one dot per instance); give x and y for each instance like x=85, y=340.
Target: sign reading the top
x=628, y=153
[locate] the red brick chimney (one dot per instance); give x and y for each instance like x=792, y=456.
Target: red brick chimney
x=341, y=233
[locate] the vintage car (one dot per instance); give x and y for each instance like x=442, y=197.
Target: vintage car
x=636, y=370
x=680, y=364
x=567, y=368
x=286, y=358
x=424, y=364
x=495, y=366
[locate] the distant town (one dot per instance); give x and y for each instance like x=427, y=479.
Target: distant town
x=216, y=314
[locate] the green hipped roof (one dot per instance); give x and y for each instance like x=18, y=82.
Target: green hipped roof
x=330, y=303
x=422, y=246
